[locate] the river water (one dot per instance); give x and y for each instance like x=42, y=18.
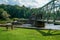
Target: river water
x=52, y=26
x=47, y=26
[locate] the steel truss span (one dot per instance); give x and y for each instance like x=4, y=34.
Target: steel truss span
x=51, y=11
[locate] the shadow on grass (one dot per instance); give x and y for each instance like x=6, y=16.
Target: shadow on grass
x=49, y=33
x=3, y=30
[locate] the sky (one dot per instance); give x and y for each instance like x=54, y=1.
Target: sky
x=27, y=3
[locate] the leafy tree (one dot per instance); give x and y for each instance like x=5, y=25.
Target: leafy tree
x=5, y=15
x=1, y=10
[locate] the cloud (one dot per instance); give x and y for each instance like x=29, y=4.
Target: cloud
x=33, y=3
x=27, y=3
x=3, y=1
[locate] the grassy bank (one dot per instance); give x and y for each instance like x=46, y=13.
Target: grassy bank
x=29, y=34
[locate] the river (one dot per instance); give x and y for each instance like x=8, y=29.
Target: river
x=52, y=26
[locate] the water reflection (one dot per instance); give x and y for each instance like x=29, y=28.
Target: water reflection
x=52, y=26
x=47, y=26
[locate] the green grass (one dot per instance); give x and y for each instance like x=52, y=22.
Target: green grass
x=29, y=34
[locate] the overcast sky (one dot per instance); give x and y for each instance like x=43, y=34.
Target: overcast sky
x=27, y=3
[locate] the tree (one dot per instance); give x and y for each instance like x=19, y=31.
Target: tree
x=1, y=10
x=5, y=15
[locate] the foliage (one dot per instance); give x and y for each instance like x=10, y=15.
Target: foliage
x=5, y=14
x=16, y=11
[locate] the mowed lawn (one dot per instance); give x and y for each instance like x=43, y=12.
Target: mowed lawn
x=29, y=34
